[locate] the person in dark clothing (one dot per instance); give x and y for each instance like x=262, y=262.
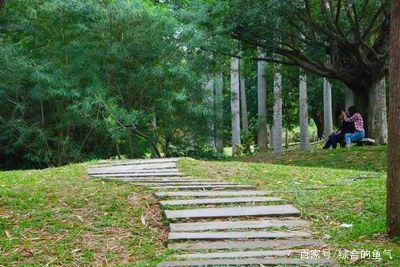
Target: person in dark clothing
x=335, y=138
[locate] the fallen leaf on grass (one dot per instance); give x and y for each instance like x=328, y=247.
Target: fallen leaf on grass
x=327, y=236
x=79, y=218
x=143, y=220
x=346, y=225
x=26, y=252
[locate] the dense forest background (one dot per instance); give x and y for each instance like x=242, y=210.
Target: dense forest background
x=83, y=80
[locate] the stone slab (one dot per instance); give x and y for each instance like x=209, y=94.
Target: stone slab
x=210, y=193
x=278, y=210
x=242, y=254
x=366, y=141
x=137, y=161
x=203, y=201
x=236, y=235
x=250, y=262
x=177, y=185
x=154, y=179
x=247, y=244
x=137, y=166
x=172, y=174
x=225, y=225
x=134, y=171
x=129, y=169
x=216, y=186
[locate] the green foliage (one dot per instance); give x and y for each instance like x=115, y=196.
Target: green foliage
x=247, y=139
x=98, y=79
x=84, y=79
x=205, y=153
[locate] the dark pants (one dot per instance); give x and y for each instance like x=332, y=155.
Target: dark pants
x=333, y=140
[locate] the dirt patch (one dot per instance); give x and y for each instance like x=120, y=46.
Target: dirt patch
x=111, y=246
x=152, y=216
x=108, y=246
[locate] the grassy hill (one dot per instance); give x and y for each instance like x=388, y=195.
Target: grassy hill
x=58, y=216
x=332, y=188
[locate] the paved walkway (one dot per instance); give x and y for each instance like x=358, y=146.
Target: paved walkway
x=216, y=223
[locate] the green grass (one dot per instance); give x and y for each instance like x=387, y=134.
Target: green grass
x=58, y=216
x=331, y=188
x=373, y=158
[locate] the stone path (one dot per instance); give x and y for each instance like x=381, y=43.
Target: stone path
x=217, y=223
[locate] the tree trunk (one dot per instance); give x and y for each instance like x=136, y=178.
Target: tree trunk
x=371, y=103
x=286, y=138
x=278, y=112
x=349, y=98
x=156, y=151
x=304, y=139
x=262, y=106
x=393, y=181
x=218, y=108
x=168, y=139
x=319, y=123
x=377, y=113
x=153, y=123
x=154, y=141
x=328, y=118
x=209, y=95
x=271, y=136
x=243, y=102
x=235, y=106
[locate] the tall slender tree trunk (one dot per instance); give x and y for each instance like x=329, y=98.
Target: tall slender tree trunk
x=349, y=98
x=278, y=112
x=304, y=139
x=154, y=141
x=235, y=106
x=168, y=139
x=377, y=113
x=393, y=181
x=218, y=108
x=243, y=101
x=153, y=123
x=209, y=92
x=319, y=123
x=286, y=138
x=271, y=136
x=262, y=106
x=328, y=117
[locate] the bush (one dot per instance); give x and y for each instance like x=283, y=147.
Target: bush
x=205, y=153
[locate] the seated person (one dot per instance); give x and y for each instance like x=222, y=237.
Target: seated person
x=353, y=116
x=335, y=138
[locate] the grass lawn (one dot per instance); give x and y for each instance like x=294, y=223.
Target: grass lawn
x=330, y=187
x=58, y=216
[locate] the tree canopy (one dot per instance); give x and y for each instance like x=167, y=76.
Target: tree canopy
x=85, y=79
x=347, y=41
x=89, y=79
